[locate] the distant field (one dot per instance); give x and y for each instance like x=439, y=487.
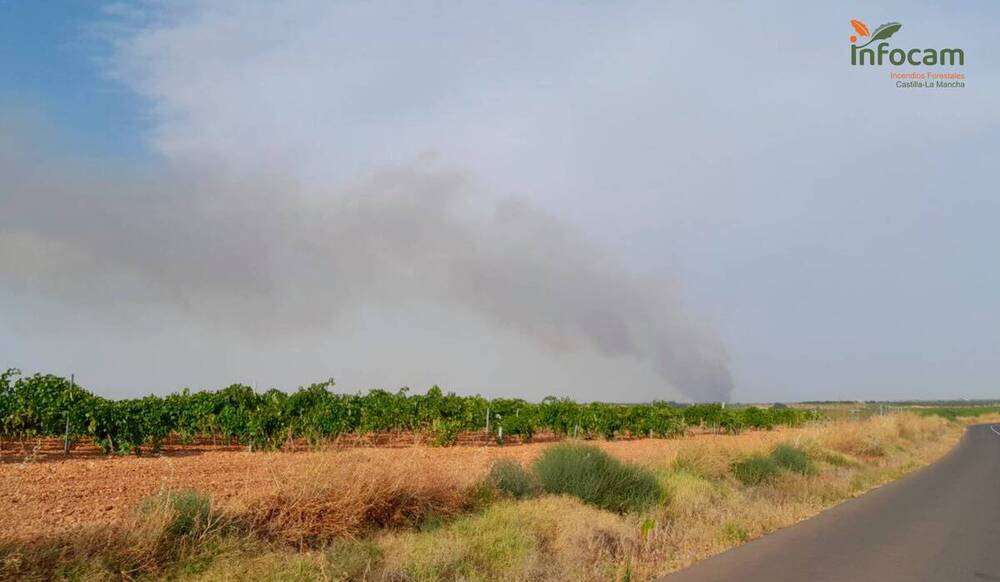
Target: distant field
x=865, y=410
x=953, y=412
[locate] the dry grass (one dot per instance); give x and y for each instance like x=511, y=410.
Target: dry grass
x=709, y=512
x=171, y=527
x=322, y=502
x=349, y=493
x=421, y=513
x=43, y=499
x=541, y=539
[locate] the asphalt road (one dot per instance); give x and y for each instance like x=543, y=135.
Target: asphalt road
x=940, y=523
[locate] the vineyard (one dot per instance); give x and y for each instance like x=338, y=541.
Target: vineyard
x=44, y=405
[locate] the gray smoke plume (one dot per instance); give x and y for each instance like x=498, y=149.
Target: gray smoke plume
x=259, y=255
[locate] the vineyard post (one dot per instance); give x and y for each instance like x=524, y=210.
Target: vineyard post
x=72, y=385
x=487, y=419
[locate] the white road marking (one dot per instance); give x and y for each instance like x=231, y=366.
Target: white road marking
x=994, y=429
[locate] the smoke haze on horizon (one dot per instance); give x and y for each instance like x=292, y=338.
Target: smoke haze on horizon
x=215, y=249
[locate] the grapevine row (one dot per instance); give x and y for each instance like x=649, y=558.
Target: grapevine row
x=45, y=405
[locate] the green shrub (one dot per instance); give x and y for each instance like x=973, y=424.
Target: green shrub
x=755, y=470
x=511, y=478
x=734, y=532
x=597, y=478
x=187, y=511
x=794, y=459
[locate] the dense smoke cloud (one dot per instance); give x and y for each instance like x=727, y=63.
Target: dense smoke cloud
x=255, y=254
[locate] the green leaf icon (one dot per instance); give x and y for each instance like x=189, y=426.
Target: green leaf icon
x=883, y=32
x=886, y=30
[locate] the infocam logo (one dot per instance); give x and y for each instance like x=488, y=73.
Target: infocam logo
x=883, y=54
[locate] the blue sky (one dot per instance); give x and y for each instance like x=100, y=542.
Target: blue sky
x=632, y=201
x=51, y=63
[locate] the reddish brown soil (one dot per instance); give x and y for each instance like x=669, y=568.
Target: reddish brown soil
x=53, y=448
x=56, y=494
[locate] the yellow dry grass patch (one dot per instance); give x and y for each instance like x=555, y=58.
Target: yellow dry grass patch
x=550, y=538
x=342, y=496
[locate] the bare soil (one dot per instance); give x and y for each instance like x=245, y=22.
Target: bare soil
x=58, y=494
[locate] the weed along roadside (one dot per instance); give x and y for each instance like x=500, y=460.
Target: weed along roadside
x=576, y=510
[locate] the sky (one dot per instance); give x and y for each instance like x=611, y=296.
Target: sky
x=608, y=201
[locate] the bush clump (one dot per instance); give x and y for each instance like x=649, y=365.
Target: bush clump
x=186, y=511
x=597, y=478
x=794, y=459
x=511, y=478
x=755, y=470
